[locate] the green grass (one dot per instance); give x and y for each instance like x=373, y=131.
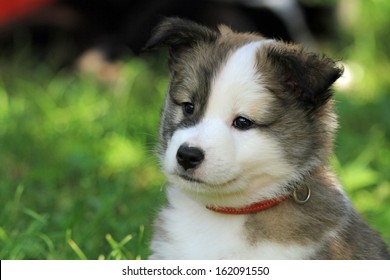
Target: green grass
x=79, y=176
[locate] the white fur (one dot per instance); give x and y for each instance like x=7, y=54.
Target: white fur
x=197, y=233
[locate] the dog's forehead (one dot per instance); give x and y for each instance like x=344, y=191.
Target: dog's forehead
x=203, y=61
x=236, y=88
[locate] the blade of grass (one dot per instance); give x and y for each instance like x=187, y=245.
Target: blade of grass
x=76, y=249
x=73, y=245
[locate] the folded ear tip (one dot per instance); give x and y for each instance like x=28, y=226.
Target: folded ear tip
x=335, y=70
x=175, y=32
x=157, y=34
x=152, y=43
x=340, y=69
x=149, y=46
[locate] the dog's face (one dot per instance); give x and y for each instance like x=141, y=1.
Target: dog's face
x=244, y=116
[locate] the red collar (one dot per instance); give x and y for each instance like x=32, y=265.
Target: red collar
x=253, y=208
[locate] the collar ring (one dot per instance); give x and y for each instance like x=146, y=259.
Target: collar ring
x=306, y=199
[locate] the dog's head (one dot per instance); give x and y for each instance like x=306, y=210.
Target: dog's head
x=244, y=116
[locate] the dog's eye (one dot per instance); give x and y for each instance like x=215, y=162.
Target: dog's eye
x=242, y=123
x=188, y=108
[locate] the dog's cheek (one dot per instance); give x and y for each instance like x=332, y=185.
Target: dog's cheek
x=258, y=152
x=220, y=165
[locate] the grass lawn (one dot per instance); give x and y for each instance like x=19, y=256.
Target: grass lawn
x=79, y=175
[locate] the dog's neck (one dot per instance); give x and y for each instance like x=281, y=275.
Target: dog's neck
x=253, y=208
x=300, y=194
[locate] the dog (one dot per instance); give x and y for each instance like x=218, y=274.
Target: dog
x=246, y=132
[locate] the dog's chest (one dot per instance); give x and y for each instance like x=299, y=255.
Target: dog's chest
x=193, y=232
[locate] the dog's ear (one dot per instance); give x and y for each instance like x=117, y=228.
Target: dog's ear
x=306, y=75
x=177, y=34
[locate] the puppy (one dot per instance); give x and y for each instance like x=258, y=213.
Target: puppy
x=245, y=137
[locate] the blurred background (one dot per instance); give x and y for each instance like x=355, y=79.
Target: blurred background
x=80, y=105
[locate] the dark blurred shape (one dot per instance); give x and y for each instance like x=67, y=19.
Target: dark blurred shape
x=121, y=27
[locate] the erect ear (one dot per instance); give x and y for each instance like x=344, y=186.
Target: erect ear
x=176, y=34
x=306, y=75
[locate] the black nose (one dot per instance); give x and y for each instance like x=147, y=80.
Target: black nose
x=189, y=157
